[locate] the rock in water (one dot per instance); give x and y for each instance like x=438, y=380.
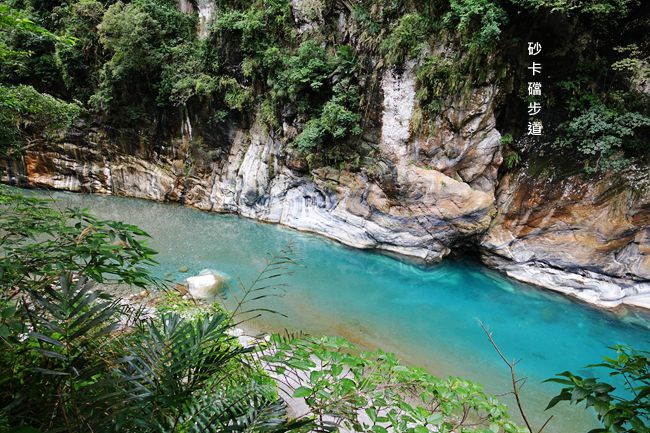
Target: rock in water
x=207, y=284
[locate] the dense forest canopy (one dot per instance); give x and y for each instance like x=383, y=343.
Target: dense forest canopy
x=138, y=67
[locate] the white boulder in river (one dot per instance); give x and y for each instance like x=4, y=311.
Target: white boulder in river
x=207, y=284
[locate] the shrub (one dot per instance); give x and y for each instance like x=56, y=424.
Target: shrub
x=259, y=25
x=303, y=76
x=339, y=120
x=79, y=64
x=478, y=22
x=406, y=40
x=23, y=109
x=137, y=37
x=608, y=135
x=437, y=78
x=621, y=408
x=373, y=392
x=188, y=75
x=311, y=137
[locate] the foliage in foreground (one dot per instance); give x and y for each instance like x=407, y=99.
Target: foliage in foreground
x=74, y=359
x=363, y=391
x=622, y=408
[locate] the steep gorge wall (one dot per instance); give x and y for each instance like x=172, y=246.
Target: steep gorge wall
x=586, y=238
x=421, y=196
x=580, y=238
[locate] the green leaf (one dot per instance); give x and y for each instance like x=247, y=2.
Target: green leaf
x=563, y=396
x=372, y=414
x=302, y=392
x=45, y=338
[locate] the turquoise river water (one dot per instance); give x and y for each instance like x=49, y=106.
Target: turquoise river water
x=428, y=315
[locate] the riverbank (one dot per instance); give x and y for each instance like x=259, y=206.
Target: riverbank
x=498, y=248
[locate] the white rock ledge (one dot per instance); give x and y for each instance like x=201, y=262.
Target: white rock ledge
x=596, y=289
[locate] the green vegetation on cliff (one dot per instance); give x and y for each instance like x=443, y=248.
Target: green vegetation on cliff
x=22, y=107
x=311, y=71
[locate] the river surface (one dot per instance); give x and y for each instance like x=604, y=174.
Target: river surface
x=429, y=316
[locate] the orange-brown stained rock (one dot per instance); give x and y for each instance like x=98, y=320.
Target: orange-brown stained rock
x=573, y=222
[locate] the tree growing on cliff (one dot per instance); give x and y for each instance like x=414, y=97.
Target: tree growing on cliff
x=22, y=107
x=613, y=137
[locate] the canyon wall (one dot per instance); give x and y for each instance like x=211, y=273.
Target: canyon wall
x=419, y=197
x=584, y=237
x=422, y=198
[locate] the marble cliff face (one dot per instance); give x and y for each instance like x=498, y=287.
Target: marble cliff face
x=423, y=196
x=588, y=239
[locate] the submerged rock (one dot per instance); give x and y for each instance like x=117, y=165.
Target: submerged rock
x=207, y=285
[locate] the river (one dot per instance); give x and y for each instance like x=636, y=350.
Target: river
x=428, y=315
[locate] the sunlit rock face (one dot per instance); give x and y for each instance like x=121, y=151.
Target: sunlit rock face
x=205, y=10
x=466, y=144
x=308, y=14
x=400, y=206
x=64, y=167
x=587, y=238
x=185, y=6
x=399, y=103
